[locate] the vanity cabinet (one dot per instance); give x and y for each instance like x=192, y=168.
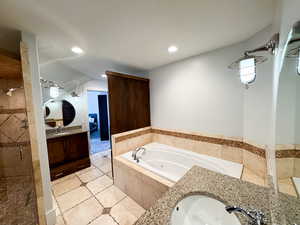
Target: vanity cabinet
x=68, y=154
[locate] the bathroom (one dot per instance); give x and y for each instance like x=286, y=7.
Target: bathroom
x=189, y=117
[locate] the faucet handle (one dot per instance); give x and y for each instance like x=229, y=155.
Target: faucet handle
x=256, y=217
x=260, y=218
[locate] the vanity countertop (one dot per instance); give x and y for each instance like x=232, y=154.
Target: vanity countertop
x=229, y=190
x=65, y=132
x=290, y=208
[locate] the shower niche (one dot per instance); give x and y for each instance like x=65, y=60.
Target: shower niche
x=18, y=203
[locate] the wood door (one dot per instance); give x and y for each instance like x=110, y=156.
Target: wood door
x=129, y=102
x=56, y=151
x=77, y=147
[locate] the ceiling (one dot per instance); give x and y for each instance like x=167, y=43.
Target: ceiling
x=134, y=33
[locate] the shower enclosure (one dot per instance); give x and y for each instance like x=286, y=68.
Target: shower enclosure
x=18, y=205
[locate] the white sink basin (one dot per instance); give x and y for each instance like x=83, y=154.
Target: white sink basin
x=202, y=210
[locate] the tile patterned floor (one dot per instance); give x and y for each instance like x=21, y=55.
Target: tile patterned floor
x=97, y=145
x=89, y=197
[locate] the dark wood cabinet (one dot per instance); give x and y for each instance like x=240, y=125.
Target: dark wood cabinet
x=68, y=154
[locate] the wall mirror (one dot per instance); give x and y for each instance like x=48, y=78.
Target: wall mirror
x=59, y=113
x=288, y=119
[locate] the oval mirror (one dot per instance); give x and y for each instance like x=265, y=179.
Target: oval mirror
x=59, y=113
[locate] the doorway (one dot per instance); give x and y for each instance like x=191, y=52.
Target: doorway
x=98, y=121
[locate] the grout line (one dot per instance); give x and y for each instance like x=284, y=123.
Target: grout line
x=70, y=189
x=78, y=204
x=61, y=214
x=92, y=195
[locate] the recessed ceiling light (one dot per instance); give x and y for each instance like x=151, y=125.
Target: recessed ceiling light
x=77, y=50
x=172, y=49
x=104, y=75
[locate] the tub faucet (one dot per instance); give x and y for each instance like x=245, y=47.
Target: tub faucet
x=134, y=153
x=256, y=217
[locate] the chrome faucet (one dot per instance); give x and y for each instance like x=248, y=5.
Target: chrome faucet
x=134, y=153
x=256, y=217
x=59, y=129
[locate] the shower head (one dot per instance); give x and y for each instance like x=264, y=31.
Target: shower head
x=270, y=47
x=257, y=59
x=9, y=91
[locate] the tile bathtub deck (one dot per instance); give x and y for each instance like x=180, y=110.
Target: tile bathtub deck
x=89, y=197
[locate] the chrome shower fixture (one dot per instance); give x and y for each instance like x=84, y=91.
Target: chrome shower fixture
x=270, y=46
x=49, y=83
x=74, y=94
x=247, y=63
x=10, y=91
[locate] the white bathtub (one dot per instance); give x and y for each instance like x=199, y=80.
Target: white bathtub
x=172, y=163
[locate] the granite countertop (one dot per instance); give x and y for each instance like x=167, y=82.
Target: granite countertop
x=290, y=208
x=229, y=190
x=50, y=134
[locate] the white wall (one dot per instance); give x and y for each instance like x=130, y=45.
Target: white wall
x=82, y=111
x=201, y=94
x=258, y=98
x=286, y=104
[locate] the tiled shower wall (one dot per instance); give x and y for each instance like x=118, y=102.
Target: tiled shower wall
x=17, y=190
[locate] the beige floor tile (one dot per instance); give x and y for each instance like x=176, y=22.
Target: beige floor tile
x=84, y=170
x=90, y=175
x=99, y=184
x=105, y=154
x=105, y=168
x=104, y=220
x=55, y=206
x=99, y=162
x=66, y=186
x=126, y=212
x=122, y=216
x=133, y=207
x=62, y=179
x=72, y=198
x=83, y=213
x=109, y=174
x=110, y=196
x=60, y=220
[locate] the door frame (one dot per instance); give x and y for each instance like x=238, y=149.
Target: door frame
x=86, y=89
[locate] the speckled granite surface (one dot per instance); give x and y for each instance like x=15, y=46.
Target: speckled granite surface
x=228, y=190
x=65, y=132
x=290, y=208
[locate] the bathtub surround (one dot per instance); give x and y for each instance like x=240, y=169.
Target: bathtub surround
x=288, y=167
x=125, y=142
x=137, y=178
x=172, y=163
x=140, y=184
x=233, y=149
